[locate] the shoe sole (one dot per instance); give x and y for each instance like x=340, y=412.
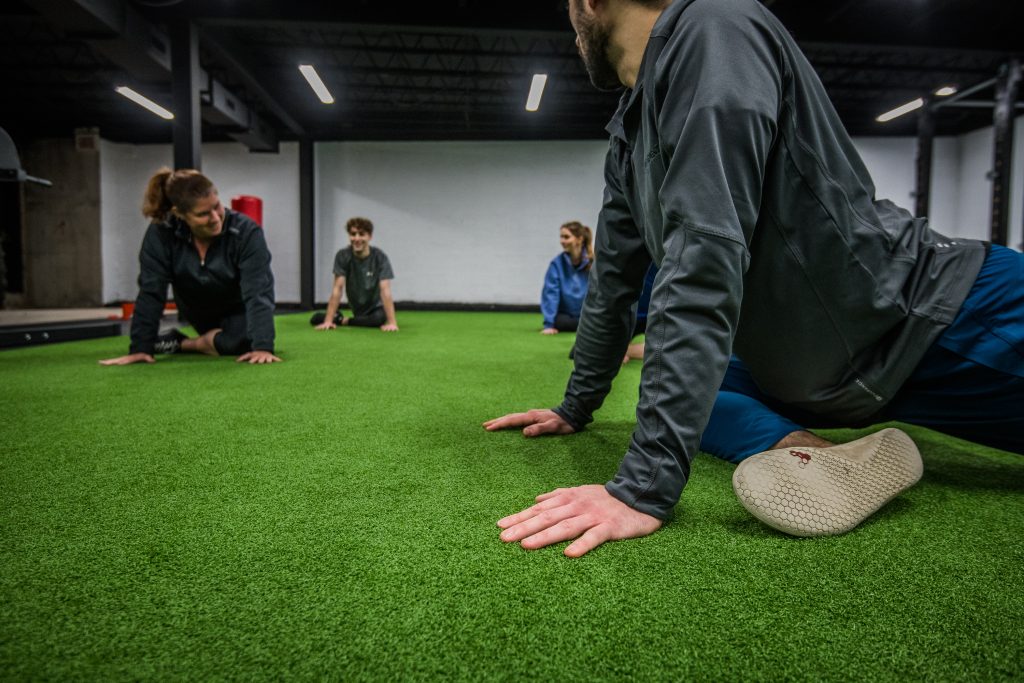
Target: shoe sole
x=827, y=491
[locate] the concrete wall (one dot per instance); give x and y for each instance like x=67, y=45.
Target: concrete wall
x=61, y=238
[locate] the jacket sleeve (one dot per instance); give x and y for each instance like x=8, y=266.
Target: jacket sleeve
x=606, y=321
x=257, y=286
x=550, y=295
x=154, y=278
x=717, y=94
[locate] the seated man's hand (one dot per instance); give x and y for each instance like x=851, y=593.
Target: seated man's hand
x=129, y=359
x=549, y=330
x=326, y=325
x=389, y=327
x=534, y=422
x=258, y=358
x=589, y=514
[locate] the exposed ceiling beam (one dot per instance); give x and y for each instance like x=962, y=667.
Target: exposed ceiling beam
x=231, y=53
x=116, y=30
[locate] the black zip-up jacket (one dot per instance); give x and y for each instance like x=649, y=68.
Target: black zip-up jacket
x=236, y=276
x=729, y=168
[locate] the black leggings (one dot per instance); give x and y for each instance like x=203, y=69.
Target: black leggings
x=233, y=339
x=375, y=319
x=566, y=323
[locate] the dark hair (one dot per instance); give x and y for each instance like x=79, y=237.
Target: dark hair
x=361, y=224
x=179, y=190
x=579, y=230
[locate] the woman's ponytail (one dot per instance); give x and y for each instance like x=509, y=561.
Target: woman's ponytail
x=179, y=190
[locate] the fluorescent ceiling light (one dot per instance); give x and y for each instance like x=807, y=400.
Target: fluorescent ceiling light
x=946, y=91
x=900, y=111
x=536, y=90
x=144, y=102
x=313, y=78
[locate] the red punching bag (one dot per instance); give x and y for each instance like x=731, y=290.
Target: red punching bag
x=250, y=206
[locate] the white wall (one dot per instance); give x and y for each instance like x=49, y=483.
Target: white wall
x=892, y=163
x=275, y=179
x=124, y=172
x=471, y=222
x=974, y=205
x=477, y=222
x=125, y=169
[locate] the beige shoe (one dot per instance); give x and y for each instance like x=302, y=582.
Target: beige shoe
x=824, y=491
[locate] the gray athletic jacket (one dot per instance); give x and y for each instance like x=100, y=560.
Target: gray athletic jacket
x=730, y=169
x=236, y=276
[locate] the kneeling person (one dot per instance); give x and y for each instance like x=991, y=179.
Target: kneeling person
x=364, y=274
x=219, y=265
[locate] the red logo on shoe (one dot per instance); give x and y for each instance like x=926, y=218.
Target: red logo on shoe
x=804, y=457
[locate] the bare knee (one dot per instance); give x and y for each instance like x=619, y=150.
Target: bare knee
x=202, y=344
x=802, y=438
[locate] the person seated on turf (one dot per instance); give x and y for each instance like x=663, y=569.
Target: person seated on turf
x=218, y=263
x=729, y=168
x=565, y=283
x=364, y=274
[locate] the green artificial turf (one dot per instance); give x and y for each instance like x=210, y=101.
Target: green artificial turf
x=333, y=517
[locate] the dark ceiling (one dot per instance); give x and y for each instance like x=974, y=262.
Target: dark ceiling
x=447, y=69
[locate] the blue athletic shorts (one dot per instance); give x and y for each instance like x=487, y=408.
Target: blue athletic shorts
x=969, y=384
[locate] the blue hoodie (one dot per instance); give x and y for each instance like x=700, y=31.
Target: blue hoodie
x=565, y=287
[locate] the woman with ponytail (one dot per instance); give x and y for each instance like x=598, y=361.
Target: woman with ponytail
x=218, y=263
x=565, y=284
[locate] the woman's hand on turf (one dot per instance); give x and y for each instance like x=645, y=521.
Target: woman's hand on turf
x=129, y=359
x=326, y=325
x=549, y=330
x=588, y=514
x=258, y=358
x=535, y=423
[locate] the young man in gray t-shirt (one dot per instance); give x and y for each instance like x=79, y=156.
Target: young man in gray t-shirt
x=364, y=274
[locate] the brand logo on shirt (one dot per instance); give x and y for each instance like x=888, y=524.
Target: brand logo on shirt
x=804, y=457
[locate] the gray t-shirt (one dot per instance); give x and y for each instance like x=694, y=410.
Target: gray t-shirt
x=362, y=278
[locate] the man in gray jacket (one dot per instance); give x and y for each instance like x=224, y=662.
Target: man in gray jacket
x=729, y=169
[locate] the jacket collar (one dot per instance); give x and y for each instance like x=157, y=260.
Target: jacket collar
x=583, y=261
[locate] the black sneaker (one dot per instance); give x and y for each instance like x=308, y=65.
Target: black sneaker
x=169, y=342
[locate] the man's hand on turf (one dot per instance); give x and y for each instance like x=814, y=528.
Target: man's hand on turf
x=589, y=514
x=535, y=423
x=326, y=325
x=129, y=359
x=258, y=358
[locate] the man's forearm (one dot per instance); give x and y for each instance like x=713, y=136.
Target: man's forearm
x=389, y=308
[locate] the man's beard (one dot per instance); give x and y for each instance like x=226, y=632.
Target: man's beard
x=595, y=57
